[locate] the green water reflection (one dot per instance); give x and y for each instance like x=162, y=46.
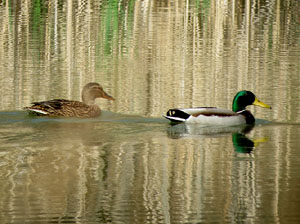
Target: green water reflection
x=130, y=165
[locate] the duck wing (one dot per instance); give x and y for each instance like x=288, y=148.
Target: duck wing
x=208, y=111
x=56, y=104
x=205, y=115
x=63, y=108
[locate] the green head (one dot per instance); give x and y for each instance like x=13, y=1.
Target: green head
x=244, y=98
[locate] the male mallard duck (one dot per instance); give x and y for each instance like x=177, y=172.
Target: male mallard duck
x=216, y=116
x=68, y=108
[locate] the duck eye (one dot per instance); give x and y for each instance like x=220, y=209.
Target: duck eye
x=96, y=88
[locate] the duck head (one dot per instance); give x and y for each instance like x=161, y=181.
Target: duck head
x=93, y=90
x=244, y=98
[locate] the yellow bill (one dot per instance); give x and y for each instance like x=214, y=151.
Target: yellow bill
x=257, y=102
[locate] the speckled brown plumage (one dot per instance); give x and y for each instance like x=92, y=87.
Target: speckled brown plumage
x=69, y=108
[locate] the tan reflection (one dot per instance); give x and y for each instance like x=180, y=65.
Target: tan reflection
x=74, y=171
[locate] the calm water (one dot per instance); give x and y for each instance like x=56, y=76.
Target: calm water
x=130, y=165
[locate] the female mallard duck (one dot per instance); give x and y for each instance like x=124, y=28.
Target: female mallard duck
x=68, y=108
x=216, y=116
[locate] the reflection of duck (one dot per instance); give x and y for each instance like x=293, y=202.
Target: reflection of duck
x=68, y=108
x=190, y=130
x=216, y=116
x=240, y=141
x=243, y=144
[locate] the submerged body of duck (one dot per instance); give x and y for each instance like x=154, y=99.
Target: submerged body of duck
x=216, y=116
x=70, y=108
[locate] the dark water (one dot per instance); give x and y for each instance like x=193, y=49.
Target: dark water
x=130, y=165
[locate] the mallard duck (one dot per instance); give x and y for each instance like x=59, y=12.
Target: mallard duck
x=215, y=116
x=69, y=108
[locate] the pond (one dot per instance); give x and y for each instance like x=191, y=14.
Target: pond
x=130, y=165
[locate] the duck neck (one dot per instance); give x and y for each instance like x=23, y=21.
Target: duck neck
x=248, y=116
x=87, y=99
